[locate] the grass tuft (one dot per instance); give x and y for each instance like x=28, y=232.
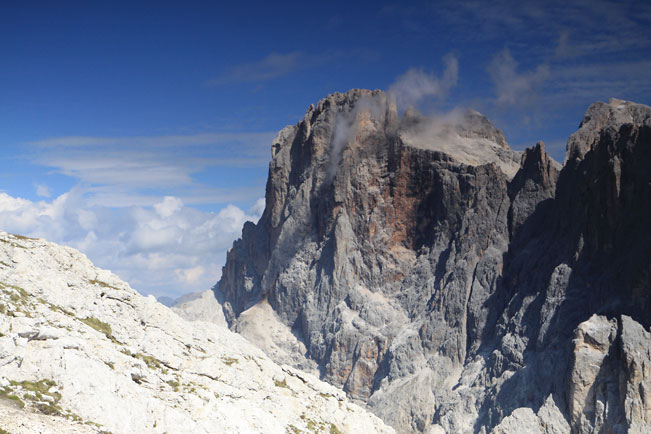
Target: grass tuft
x=4, y=394
x=100, y=326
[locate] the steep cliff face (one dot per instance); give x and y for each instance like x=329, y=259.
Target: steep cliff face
x=437, y=274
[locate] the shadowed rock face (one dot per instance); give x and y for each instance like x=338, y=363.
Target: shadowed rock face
x=443, y=284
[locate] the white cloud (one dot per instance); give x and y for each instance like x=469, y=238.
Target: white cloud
x=258, y=207
x=416, y=84
x=513, y=88
x=166, y=249
x=125, y=171
x=42, y=190
x=276, y=65
x=131, y=209
x=272, y=66
x=168, y=206
x=157, y=161
x=232, y=218
x=190, y=275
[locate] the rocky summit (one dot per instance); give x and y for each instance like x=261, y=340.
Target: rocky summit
x=82, y=352
x=453, y=284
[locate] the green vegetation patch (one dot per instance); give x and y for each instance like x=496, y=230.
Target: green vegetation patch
x=100, y=326
x=17, y=291
x=49, y=409
x=320, y=427
x=150, y=361
x=228, y=361
x=333, y=429
x=11, y=243
x=41, y=386
x=102, y=284
x=282, y=383
x=22, y=237
x=174, y=384
x=55, y=308
x=13, y=398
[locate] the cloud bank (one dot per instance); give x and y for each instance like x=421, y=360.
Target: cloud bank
x=166, y=249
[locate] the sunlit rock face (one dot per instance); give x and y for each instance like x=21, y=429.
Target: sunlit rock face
x=444, y=278
x=82, y=352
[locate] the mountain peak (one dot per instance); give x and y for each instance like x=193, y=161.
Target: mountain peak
x=358, y=116
x=601, y=115
x=465, y=135
x=422, y=278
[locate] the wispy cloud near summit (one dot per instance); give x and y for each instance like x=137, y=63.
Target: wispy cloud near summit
x=514, y=88
x=415, y=84
x=272, y=66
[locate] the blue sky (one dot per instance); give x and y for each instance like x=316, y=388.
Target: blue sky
x=139, y=132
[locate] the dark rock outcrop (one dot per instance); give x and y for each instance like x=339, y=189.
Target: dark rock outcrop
x=431, y=275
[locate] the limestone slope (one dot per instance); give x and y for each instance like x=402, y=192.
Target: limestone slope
x=82, y=352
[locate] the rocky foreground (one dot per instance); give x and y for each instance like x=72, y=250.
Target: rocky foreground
x=82, y=352
x=452, y=283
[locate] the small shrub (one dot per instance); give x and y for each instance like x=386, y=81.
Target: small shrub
x=283, y=383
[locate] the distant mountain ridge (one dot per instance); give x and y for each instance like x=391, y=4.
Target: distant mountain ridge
x=453, y=284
